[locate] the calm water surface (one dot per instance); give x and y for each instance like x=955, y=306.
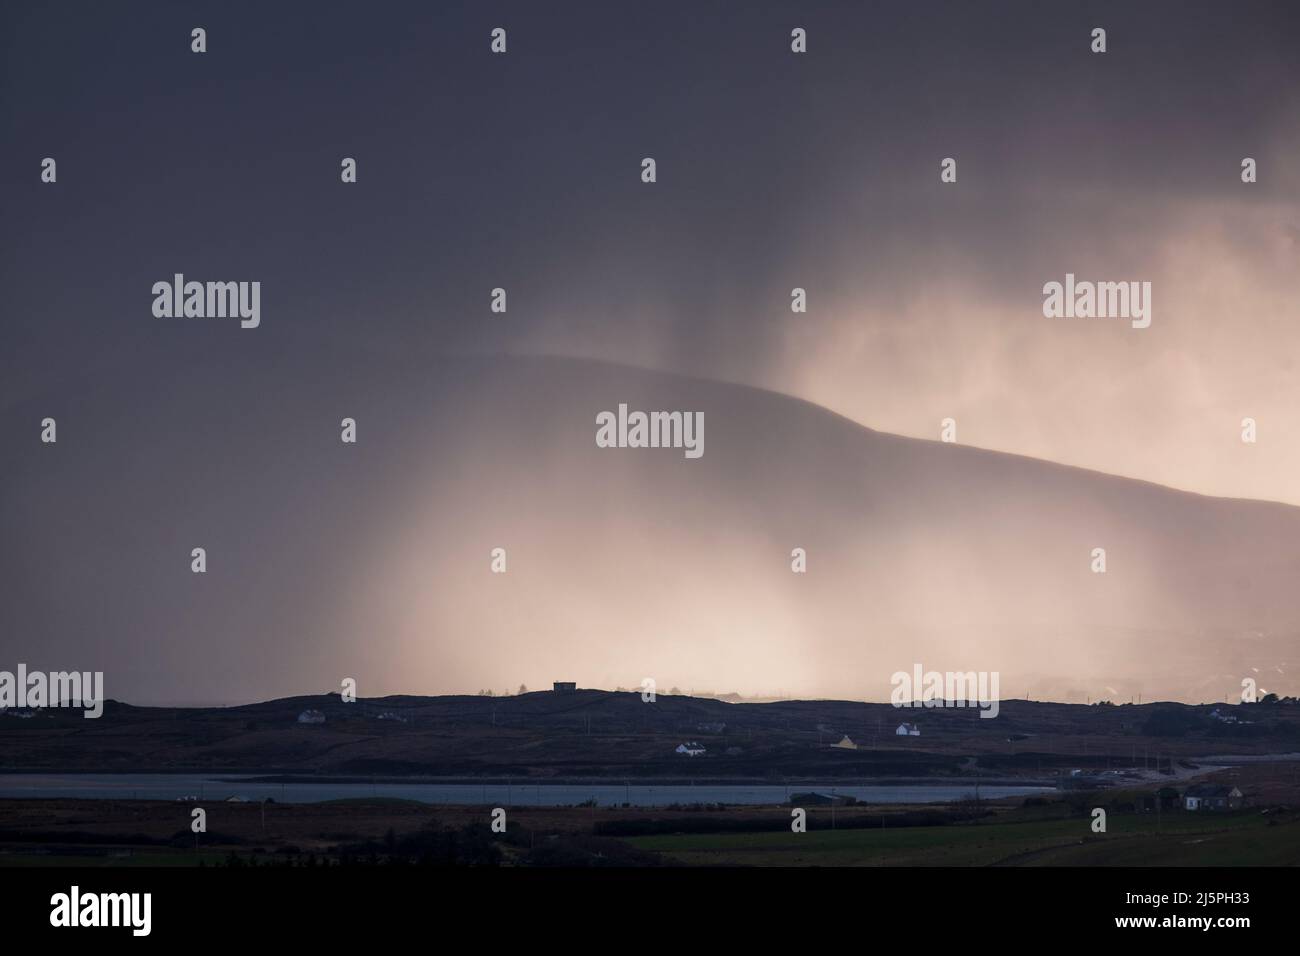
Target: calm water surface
x=144, y=786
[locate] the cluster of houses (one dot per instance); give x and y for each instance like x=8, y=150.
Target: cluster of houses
x=1211, y=796
x=195, y=798
x=1227, y=718
x=904, y=730
x=1197, y=796
x=694, y=749
x=313, y=716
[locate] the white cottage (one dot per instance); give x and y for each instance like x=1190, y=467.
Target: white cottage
x=908, y=730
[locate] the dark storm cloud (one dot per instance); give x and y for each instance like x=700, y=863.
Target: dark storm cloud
x=522, y=171
x=478, y=171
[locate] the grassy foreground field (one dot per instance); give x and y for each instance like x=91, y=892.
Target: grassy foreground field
x=378, y=832
x=1241, y=838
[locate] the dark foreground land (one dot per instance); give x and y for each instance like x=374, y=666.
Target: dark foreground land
x=1114, y=757
x=1031, y=832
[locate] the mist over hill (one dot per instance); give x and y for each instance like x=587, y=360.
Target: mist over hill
x=373, y=561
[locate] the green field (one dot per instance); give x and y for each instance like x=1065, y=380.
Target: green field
x=1184, y=839
x=101, y=833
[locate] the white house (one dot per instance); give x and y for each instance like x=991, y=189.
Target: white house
x=908, y=730
x=311, y=717
x=691, y=749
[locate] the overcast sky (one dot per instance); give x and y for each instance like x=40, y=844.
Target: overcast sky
x=775, y=170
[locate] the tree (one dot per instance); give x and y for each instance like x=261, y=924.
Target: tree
x=523, y=689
